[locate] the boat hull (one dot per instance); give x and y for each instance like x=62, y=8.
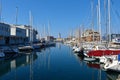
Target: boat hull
x=98, y=53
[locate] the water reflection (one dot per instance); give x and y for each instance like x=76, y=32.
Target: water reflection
x=110, y=75
x=81, y=57
x=93, y=65
x=59, y=45
x=51, y=63
x=8, y=67
x=113, y=75
x=95, y=68
x=44, y=58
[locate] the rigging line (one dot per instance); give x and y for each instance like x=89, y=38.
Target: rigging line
x=116, y=14
x=95, y=18
x=112, y=2
x=86, y=20
x=115, y=11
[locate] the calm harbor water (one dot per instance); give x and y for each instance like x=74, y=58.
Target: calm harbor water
x=54, y=63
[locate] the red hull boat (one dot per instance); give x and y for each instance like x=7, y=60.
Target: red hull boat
x=93, y=65
x=99, y=53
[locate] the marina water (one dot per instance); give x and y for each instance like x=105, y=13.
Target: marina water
x=52, y=63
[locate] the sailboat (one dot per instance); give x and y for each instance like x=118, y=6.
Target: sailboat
x=113, y=64
x=107, y=51
x=28, y=46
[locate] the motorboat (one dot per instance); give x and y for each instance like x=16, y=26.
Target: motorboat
x=113, y=64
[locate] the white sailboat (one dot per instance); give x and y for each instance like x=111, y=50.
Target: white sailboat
x=28, y=46
x=113, y=64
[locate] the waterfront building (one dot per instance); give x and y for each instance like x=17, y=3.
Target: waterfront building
x=30, y=34
x=24, y=34
x=4, y=33
x=49, y=38
x=90, y=35
x=16, y=34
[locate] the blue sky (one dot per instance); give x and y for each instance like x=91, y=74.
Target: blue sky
x=64, y=15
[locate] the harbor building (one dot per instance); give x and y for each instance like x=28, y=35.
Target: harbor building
x=49, y=38
x=16, y=34
x=59, y=39
x=30, y=33
x=90, y=35
x=4, y=33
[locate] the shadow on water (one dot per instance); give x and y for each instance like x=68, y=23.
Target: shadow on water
x=107, y=75
x=81, y=57
x=111, y=75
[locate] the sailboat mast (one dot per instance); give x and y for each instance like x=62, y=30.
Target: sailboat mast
x=105, y=15
x=109, y=20
x=48, y=28
x=16, y=15
x=44, y=30
x=99, y=18
x=1, y=11
x=79, y=35
x=31, y=37
x=92, y=24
